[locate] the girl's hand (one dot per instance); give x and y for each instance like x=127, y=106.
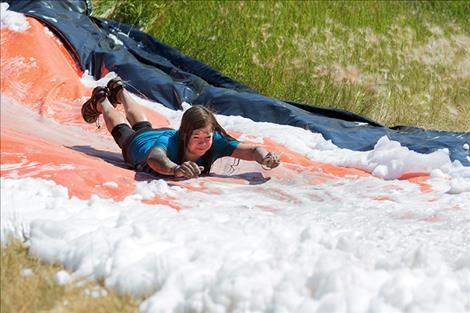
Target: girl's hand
x=187, y=169
x=271, y=160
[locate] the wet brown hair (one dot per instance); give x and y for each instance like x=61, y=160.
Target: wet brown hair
x=195, y=118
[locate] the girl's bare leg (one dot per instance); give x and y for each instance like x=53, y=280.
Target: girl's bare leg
x=112, y=117
x=134, y=111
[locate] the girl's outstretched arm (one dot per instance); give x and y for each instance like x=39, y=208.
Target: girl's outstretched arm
x=160, y=163
x=256, y=153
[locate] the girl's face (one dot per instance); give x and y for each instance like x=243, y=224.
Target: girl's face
x=200, y=141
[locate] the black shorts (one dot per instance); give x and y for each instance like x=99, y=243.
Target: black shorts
x=123, y=134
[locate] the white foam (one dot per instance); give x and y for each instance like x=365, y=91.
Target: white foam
x=111, y=184
x=356, y=244
x=62, y=277
x=12, y=20
x=323, y=248
x=48, y=31
x=27, y=272
x=95, y=292
x=88, y=81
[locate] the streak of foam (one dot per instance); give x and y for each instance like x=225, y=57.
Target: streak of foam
x=9, y=68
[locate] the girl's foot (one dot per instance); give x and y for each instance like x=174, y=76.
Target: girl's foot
x=90, y=111
x=115, y=86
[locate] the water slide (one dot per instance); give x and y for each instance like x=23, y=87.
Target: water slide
x=338, y=218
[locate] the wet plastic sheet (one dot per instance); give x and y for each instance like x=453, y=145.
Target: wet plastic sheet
x=164, y=74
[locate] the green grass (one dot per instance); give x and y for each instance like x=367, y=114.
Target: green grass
x=29, y=285
x=404, y=63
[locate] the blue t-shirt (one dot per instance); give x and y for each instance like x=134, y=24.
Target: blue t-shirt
x=139, y=147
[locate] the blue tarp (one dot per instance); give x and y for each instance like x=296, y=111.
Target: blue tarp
x=164, y=74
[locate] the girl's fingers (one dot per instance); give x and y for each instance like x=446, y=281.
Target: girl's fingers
x=195, y=168
x=186, y=170
x=271, y=160
x=191, y=169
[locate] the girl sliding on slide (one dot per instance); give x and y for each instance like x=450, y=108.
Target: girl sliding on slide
x=187, y=152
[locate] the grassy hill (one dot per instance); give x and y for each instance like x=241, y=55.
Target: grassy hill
x=400, y=63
